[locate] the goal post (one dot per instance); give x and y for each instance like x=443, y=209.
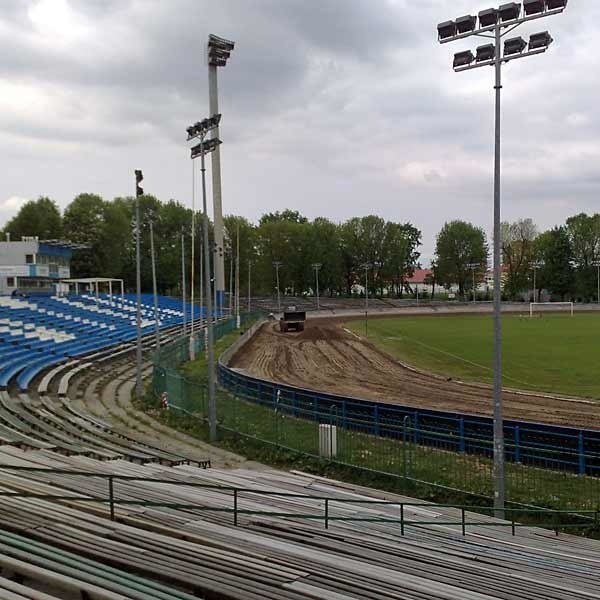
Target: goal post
x=550, y=305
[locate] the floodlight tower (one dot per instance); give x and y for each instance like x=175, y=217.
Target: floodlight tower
x=278, y=264
x=317, y=268
x=496, y=24
x=200, y=130
x=473, y=267
x=538, y=264
x=596, y=264
x=219, y=50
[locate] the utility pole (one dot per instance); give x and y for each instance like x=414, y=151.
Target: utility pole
x=154, y=288
x=317, y=267
x=183, y=294
x=238, y=322
x=366, y=268
x=219, y=50
x=278, y=264
x=199, y=130
x=249, y=285
x=596, y=264
x=473, y=266
x=192, y=344
x=139, y=177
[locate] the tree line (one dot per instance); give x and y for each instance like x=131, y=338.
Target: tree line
x=107, y=229
x=565, y=259
x=388, y=252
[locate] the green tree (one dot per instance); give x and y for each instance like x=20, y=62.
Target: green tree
x=83, y=222
x=400, y=254
x=517, y=241
x=554, y=249
x=584, y=235
x=459, y=244
x=39, y=218
x=248, y=252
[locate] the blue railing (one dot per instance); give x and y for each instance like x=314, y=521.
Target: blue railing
x=560, y=448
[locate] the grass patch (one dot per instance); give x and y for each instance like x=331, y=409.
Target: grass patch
x=555, y=353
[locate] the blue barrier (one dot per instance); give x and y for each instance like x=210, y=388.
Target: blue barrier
x=537, y=444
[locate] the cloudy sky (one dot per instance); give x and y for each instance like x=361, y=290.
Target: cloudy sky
x=336, y=108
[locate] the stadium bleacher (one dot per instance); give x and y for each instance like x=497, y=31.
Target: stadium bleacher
x=90, y=511
x=40, y=332
x=185, y=537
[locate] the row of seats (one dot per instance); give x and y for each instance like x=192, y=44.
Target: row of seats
x=167, y=529
x=59, y=427
x=38, y=333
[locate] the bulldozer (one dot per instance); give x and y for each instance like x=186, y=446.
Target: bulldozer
x=292, y=320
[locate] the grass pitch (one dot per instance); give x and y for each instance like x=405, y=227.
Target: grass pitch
x=555, y=353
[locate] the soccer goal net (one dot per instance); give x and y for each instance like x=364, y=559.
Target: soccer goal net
x=540, y=307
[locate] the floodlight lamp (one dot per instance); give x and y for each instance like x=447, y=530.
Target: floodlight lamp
x=205, y=147
x=463, y=59
x=514, y=45
x=446, y=30
x=466, y=23
x=217, y=53
x=534, y=7
x=555, y=4
x=540, y=40
x=485, y=53
x=488, y=17
x=214, y=41
x=509, y=11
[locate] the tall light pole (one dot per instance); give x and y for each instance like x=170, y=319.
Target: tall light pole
x=249, y=288
x=199, y=130
x=596, y=264
x=495, y=24
x=278, y=264
x=473, y=267
x=139, y=177
x=534, y=267
x=317, y=268
x=192, y=340
x=154, y=289
x=366, y=268
x=238, y=321
x=219, y=50
x=183, y=294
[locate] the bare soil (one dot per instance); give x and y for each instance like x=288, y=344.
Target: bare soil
x=325, y=357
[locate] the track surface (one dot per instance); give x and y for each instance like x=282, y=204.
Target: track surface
x=327, y=358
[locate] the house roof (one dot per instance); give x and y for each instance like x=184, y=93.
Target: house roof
x=419, y=276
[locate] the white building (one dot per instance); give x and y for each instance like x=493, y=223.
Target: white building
x=31, y=265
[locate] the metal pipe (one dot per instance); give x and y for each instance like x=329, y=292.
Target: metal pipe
x=192, y=346
x=249, y=284
x=212, y=406
x=219, y=265
x=498, y=470
x=237, y=280
x=154, y=287
x=183, y=294
x=138, y=287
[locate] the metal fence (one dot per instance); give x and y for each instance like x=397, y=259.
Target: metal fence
x=533, y=444
x=318, y=507
x=421, y=460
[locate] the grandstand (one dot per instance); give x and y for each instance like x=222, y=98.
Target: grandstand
x=92, y=510
x=39, y=332
x=264, y=534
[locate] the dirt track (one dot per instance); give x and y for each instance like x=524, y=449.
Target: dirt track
x=325, y=357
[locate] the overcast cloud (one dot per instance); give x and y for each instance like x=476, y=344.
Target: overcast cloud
x=336, y=108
